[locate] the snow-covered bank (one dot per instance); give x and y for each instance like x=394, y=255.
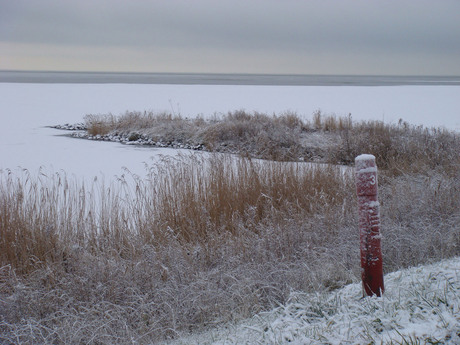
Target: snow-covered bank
x=26, y=109
x=419, y=303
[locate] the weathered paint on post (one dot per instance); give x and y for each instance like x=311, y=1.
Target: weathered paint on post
x=369, y=224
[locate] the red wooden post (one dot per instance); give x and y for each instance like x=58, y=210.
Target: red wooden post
x=369, y=225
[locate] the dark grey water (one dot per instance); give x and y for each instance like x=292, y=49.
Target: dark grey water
x=220, y=79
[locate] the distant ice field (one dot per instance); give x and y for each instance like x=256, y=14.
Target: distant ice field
x=27, y=108
x=221, y=79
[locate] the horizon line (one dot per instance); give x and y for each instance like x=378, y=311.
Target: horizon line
x=231, y=73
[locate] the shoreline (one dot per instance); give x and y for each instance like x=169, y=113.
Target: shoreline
x=80, y=131
x=56, y=77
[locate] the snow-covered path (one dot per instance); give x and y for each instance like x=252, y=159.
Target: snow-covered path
x=419, y=303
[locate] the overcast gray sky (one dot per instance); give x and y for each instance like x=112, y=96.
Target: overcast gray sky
x=400, y=37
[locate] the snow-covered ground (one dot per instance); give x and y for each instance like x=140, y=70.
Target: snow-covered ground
x=419, y=303
x=25, y=110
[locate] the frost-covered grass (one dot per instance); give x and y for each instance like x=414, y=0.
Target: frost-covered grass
x=420, y=305
x=207, y=239
x=255, y=135
x=203, y=240
x=398, y=148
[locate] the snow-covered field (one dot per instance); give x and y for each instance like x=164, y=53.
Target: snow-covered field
x=26, y=110
x=421, y=305
x=419, y=302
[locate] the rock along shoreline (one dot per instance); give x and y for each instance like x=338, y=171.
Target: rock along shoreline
x=80, y=131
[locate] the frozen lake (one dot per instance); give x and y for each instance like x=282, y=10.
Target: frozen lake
x=26, y=109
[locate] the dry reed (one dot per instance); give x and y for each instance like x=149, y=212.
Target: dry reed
x=399, y=148
x=209, y=238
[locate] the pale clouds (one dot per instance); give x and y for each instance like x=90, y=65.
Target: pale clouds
x=345, y=37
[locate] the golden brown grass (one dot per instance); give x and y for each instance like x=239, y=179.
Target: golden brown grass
x=100, y=124
x=399, y=148
x=203, y=238
x=221, y=194
x=255, y=135
x=189, y=199
x=209, y=238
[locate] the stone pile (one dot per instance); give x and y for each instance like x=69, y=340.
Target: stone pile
x=80, y=131
x=74, y=127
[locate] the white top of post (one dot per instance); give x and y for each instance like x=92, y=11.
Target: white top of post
x=365, y=157
x=365, y=163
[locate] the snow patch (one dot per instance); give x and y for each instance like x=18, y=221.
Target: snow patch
x=418, y=302
x=365, y=157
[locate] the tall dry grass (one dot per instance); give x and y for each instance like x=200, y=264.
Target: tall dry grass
x=209, y=238
x=254, y=135
x=399, y=148
x=203, y=239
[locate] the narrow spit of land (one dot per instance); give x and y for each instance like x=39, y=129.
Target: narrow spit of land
x=285, y=137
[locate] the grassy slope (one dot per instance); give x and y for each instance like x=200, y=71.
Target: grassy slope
x=421, y=305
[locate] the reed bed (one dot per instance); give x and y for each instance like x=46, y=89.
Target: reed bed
x=207, y=238
x=399, y=148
